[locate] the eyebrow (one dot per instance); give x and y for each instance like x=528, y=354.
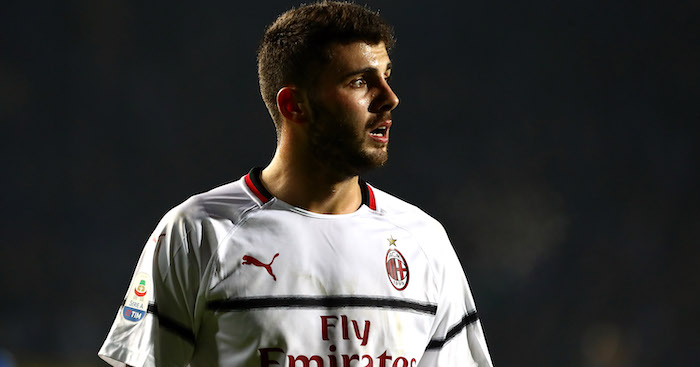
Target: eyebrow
x=364, y=71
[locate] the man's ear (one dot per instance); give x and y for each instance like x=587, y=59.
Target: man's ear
x=292, y=105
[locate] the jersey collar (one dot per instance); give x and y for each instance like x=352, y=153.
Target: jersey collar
x=252, y=180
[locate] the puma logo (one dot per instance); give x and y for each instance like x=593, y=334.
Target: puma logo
x=249, y=260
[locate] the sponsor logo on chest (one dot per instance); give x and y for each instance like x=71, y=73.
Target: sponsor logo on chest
x=334, y=328
x=250, y=260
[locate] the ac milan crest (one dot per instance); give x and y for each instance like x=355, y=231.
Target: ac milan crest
x=396, y=267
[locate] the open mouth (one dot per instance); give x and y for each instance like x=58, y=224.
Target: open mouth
x=379, y=132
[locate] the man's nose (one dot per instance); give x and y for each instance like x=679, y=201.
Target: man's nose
x=386, y=100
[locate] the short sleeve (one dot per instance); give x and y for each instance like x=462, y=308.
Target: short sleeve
x=458, y=338
x=131, y=338
x=154, y=323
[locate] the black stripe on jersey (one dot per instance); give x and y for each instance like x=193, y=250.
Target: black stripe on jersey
x=170, y=324
x=244, y=304
x=466, y=320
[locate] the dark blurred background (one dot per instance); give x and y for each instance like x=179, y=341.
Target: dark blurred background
x=556, y=141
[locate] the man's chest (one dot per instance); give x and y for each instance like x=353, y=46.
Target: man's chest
x=299, y=256
x=303, y=288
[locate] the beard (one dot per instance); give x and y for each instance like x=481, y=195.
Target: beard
x=337, y=146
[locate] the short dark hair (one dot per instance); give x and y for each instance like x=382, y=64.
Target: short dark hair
x=296, y=45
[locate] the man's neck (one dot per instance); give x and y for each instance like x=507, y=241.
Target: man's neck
x=311, y=187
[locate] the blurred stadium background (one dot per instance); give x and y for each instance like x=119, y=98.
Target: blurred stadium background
x=556, y=141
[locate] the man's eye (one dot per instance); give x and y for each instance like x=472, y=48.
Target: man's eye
x=358, y=83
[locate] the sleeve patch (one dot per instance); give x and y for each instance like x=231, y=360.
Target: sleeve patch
x=136, y=303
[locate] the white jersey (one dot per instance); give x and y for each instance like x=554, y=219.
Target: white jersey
x=235, y=277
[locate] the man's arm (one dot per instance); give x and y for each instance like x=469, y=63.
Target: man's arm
x=458, y=338
x=154, y=300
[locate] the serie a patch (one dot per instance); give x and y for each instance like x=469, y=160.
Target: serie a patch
x=136, y=304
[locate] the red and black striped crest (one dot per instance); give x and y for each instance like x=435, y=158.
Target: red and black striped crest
x=397, y=269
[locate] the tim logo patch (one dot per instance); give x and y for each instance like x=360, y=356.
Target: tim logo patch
x=397, y=269
x=133, y=314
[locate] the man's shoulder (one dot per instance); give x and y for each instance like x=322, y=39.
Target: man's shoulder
x=226, y=202
x=428, y=231
x=405, y=213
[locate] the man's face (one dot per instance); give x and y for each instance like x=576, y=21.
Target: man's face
x=351, y=108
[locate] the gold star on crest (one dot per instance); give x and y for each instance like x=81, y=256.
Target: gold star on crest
x=392, y=241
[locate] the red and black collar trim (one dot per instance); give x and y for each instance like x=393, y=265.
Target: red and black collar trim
x=367, y=195
x=252, y=180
